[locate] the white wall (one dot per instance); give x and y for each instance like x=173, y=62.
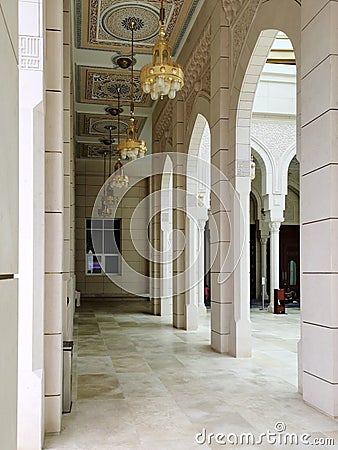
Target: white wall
x=8, y=222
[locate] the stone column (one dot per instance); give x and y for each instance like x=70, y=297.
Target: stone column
x=155, y=242
x=201, y=265
x=192, y=274
x=54, y=203
x=319, y=206
x=155, y=185
x=263, y=242
x=274, y=261
x=9, y=196
x=68, y=282
x=221, y=274
x=32, y=313
x=240, y=328
x=178, y=217
x=166, y=279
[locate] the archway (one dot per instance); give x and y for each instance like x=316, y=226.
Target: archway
x=166, y=224
x=197, y=205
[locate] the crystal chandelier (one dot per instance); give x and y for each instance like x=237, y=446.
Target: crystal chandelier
x=252, y=168
x=132, y=147
x=108, y=199
x=162, y=77
x=119, y=179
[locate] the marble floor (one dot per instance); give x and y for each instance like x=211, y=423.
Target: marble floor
x=139, y=384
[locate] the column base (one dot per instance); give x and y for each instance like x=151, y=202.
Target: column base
x=219, y=342
x=191, y=317
x=178, y=321
x=166, y=307
x=300, y=366
x=320, y=394
x=240, y=339
x=270, y=308
x=203, y=310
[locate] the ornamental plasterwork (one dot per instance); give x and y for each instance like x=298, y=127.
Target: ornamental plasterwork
x=164, y=121
x=276, y=135
x=231, y=8
x=242, y=168
x=198, y=63
x=30, y=52
x=99, y=85
x=201, y=86
x=94, y=151
x=94, y=124
x=241, y=28
x=104, y=23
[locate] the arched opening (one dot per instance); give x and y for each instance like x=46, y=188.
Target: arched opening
x=197, y=210
x=166, y=224
x=266, y=131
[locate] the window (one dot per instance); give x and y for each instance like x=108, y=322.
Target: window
x=103, y=246
x=292, y=273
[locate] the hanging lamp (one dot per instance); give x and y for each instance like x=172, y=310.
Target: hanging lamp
x=108, y=199
x=119, y=179
x=132, y=147
x=162, y=77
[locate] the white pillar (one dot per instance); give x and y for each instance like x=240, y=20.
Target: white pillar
x=240, y=326
x=32, y=238
x=201, y=266
x=319, y=205
x=221, y=278
x=166, y=241
x=192, y=273
x=54, y=214
x=263, y=242
x=68, y=282
x=179, y=185
x=166, y=282
x=9, y=196
x=274, y=261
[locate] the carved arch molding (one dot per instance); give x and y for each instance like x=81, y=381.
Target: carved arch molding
x=240, y=14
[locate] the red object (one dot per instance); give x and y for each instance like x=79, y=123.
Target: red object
x=279, y=301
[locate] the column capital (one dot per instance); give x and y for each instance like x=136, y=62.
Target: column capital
x=201, y=224
x=264, y=240
x=274, y=226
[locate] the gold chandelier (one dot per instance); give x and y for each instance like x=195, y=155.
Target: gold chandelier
x=162, y=77
x=108, y=199
x=119, y=179
x=132, y=147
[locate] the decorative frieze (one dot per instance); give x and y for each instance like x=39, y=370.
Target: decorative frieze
x=164, y=120
x=198, y=63
x=30, y=52
x=276, y=135
x=241, y=27
x=231, y=8
x=243, y=168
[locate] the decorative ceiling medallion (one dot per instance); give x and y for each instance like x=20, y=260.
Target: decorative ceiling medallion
x=115, y=21
x=94, y=151
x=104, y=22
x=100, y=86
x=94, y=124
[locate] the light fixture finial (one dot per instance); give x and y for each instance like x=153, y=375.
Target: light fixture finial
x=162, y=77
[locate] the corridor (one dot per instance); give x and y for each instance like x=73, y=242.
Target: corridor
x=139, y=384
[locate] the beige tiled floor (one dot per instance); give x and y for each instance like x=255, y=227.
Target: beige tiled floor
x=139, y=384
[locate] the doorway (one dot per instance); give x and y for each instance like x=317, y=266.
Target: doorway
x=289, y=260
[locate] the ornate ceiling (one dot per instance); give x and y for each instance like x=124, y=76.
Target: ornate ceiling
x=102, y=35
